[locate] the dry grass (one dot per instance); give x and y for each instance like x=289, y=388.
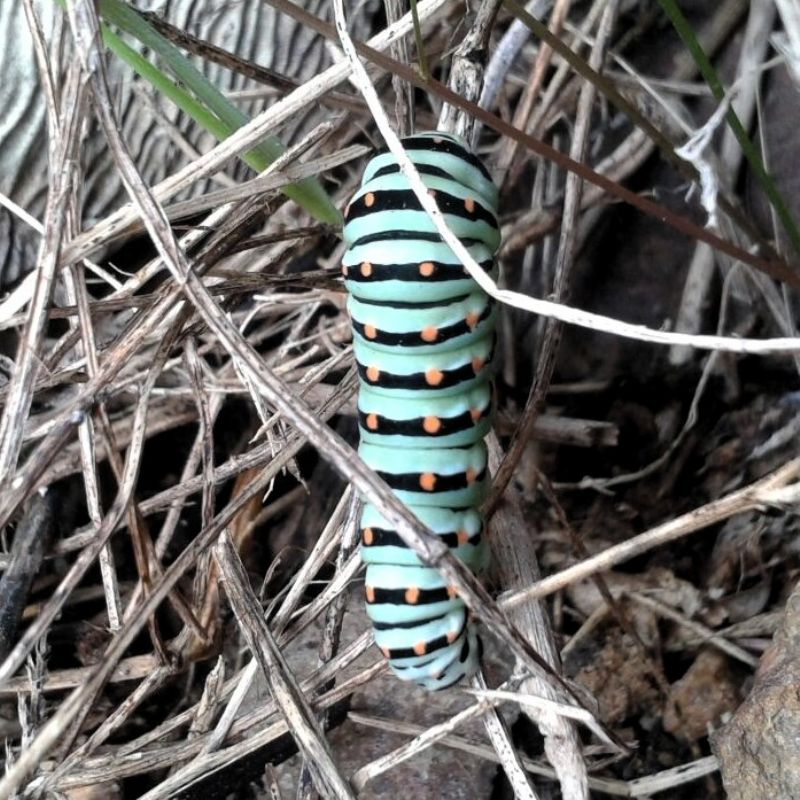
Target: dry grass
x=226, y=320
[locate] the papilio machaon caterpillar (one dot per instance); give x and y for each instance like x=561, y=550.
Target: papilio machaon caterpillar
x=423, y=337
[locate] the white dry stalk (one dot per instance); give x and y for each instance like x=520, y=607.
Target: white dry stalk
x=701, y=270
x=68, y=774
x=672, y=778
x=288, y=695
x=503, y=744
x=60, y=722
x=279, y=622
x=425, y=739
x=639, y=787
x=518, y=567
x=206, y=708
x=504, y=54
x=636, y=148
x=21, y=295
x=558, y=311
x=524, y=118
x=403, y=90
x=258, y=736
x=649, y=85
x=544, y=704
x=603, y=484
x=21, y=213
x=272, y=178
x=249, y=722
x=278, y=174
x=466, y=70
x=707, y=634
x=87, y=437
x=63, y=146
x=564, y=257
x=695, y=152
x=788, y=43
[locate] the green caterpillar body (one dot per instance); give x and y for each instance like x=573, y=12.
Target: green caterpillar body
x=424, y=337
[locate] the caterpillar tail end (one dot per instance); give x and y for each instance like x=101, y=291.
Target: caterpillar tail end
x=457, y=670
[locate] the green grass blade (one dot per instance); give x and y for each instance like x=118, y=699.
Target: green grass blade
x=684, y=30
x=182, y=99
x=209, y=107
x=420, y=42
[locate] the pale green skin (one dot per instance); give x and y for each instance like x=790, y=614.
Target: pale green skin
x=394, y=567
x=397, y=461
x=419, y=220
x=415, y=407
x=397, y=362
x=461, y=172
x=408, y=252
x=404, y=320
x=452, y=622
x=439, y=521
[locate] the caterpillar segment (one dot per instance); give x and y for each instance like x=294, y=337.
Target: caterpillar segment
x=424, y=339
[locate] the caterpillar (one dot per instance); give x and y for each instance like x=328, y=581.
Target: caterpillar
x=423, y=339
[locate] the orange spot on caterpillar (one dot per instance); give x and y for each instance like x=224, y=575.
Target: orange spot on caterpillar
x=370, y=331
x=427, y=481
x=472, y=476
x=433, y=377
x=429, y=334
x=476, y=414
x=426, y=269
x=469, y=204
x=366, y=269
x=373, y=374
x=369, y=199
x=412, y=595
x=463, y=536
x=368, y=536
x=477, y=364
x=420, y=648
x=452, y=592
x=370, y=592
x=432, y=425
x=372, y=422
x=472, y=319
